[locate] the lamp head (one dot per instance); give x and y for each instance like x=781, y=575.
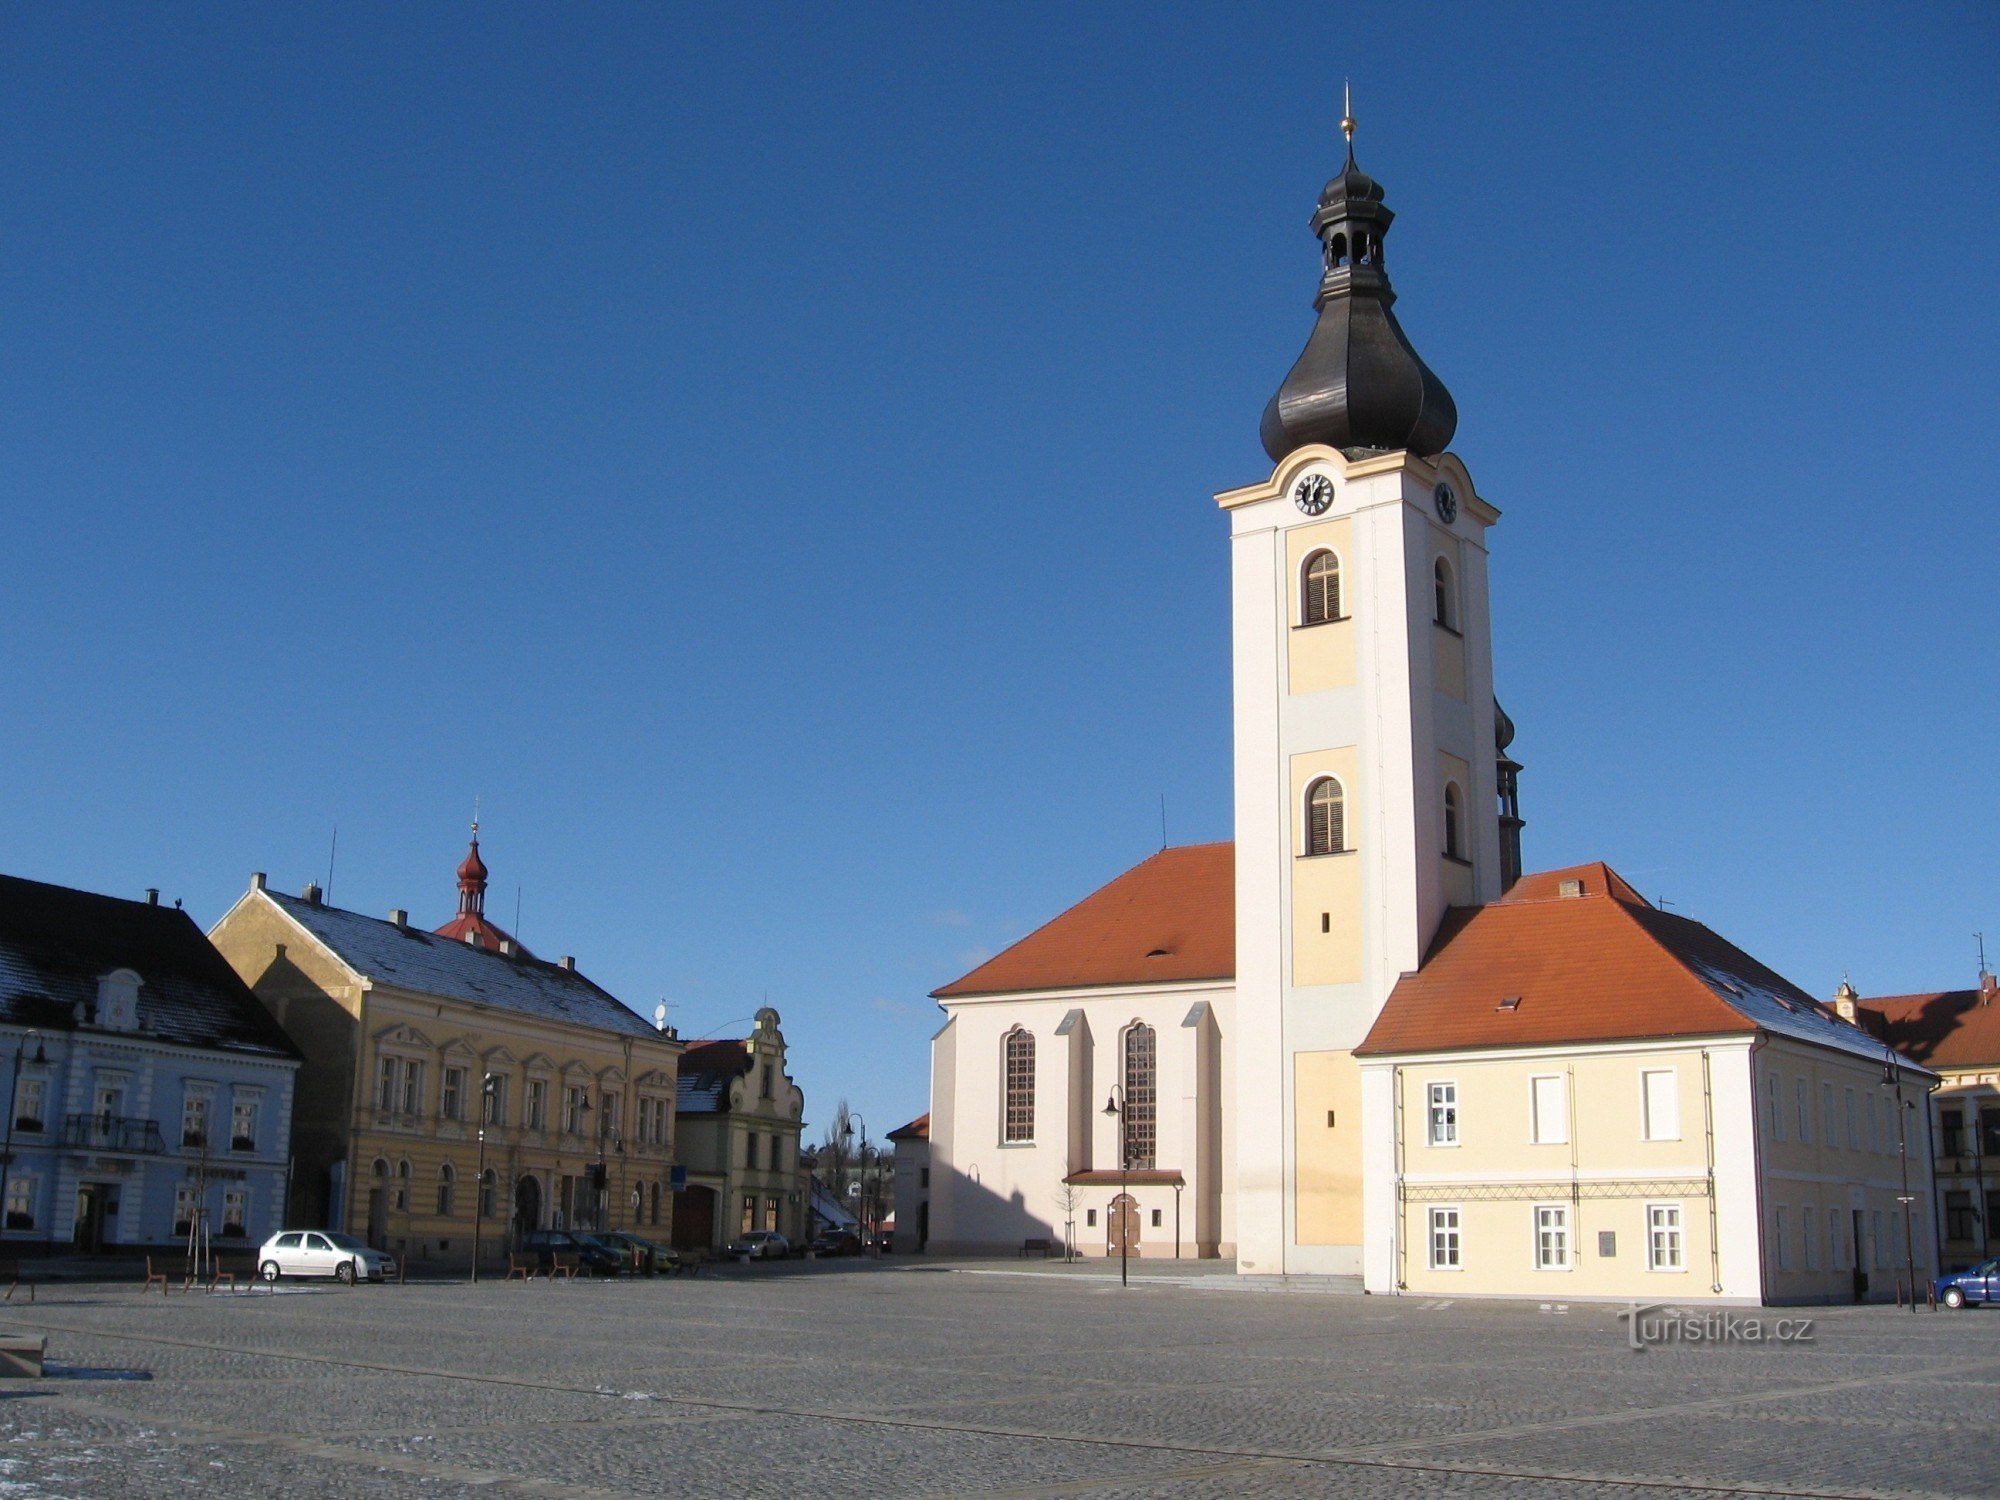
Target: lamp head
x=1111, y=1104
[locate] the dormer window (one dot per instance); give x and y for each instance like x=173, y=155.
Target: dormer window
x=118, y=1001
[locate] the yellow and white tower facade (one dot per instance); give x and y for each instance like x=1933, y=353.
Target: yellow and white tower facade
x=1365, y=738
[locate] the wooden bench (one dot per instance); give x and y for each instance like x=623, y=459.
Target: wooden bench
x=563, y=1267
x=1043, y=1248
x=236, y=1270
x=10, y=1272
x=151, y=1277
x=520, y=1267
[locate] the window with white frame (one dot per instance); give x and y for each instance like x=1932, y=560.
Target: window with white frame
x=1551, y=1237
x=1853, y=1136
x=243, y=1125
x=493, y=1099
x=610, y=1113
x=1017, y=1124
x=194, y=1118
x=1663, y=1237
x=1875, y=1124
x=1549, y=1110
x=1809, y=1235
x=1443, y=1108
x=1778, y=1241
x=1774, y=1119
x=186, y=1201
x=1828, y=1124
x=388, y=1083
x=413, y=1087
x=1444, y=1239
x=1804, y=1100
x=235, y=1212
x=20, y=1208
x=575, y=1102
x=1660, y=1101
x=30, y=1099
x=537, y=1117
x=451, y=1095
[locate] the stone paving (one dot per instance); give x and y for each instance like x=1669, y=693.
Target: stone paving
x=905, y=1378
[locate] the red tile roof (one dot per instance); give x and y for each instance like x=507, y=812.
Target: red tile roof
x=1943, y=1029
x=918, y=1129
x=1171, y=918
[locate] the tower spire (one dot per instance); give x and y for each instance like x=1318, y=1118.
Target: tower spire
x=1347, y=116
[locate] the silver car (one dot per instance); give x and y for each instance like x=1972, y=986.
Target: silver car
x=321, y=1252
x=760, y=1244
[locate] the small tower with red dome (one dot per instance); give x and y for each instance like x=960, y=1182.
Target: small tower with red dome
x=470, y=925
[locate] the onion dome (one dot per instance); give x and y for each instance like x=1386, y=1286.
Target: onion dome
x=1358, y=386
x=472, y=879
x=471, y=925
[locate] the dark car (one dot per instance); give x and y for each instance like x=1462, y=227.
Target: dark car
x=641, y=1253
x=834, y=1242
x=1967, y=1288
x=546, y=1244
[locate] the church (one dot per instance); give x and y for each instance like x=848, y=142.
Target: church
x=1356, y=1041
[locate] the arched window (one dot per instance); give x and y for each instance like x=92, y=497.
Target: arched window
x=1454, y=838
x=1320, y=596
x=1444, y=608
x=1141, y=1095
x=488, y=1190
x=447, y=1179
x=1336, y=251
x=403, y=1186
x=1326, y=817
x=1019, y=1052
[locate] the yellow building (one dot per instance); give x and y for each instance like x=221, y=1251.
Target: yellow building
x=454, y=1074
x=740, y=1115
x=1581, y=1096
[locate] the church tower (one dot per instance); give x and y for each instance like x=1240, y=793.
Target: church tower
x=1365, y=733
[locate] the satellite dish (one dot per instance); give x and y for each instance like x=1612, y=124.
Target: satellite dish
x=660, y=1016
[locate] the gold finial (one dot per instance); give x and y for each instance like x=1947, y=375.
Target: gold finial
x=1347, y=111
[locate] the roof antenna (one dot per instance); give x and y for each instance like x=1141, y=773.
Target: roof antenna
x=517, y=909
x=1163, y=820
x=1980, y=938
x=1347, y=114
x=332, y=850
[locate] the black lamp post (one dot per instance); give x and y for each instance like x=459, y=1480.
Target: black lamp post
x=479, y=1177
x=1892, y=1078
x=861, y=1160
x=1114, y=1106
x=13, y=1093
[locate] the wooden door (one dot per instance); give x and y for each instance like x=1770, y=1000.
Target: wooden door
x=1122, y=1226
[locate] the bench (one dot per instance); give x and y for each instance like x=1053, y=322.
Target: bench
x=10, y=1272
x=236, y=1270
x=1043, y=1248
x=520, y=1267
x=564, y=1267
x=151, y=1277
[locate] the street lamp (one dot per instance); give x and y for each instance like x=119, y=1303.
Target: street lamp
x=1892, y=1078
x=1114, y=1106
x=13, y=1093
x=847, y=1134
x=479, y=1177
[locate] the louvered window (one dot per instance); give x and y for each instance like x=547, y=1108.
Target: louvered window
x=1444, y=611
x=1326, y=817
x=1019, y=1054
x=1141, y=1095
x=1454, y=843
x=1322, y=592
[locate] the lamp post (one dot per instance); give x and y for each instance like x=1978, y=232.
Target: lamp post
x=1114, y=1106
x=13, y=1093
x=861, y=1158
x=1892, y=1078
x=479, y=1177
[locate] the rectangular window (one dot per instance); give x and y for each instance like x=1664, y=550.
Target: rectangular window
x=923, y=1176
x=185, y=1204
x=1551, y=1237
x=194, y=1120
x=1549, y=1104
x=1827, y=1124
x=1018, y=1063
x=538, y=1104
x=1774, y=1119
x=1141, y=1096
x=1853, y=1137
x=29, y=1102
x=1809, y=1236
x=1779, y=1244
x=573, y=1111
x=235, y=1210
x=20, y=1202
x=451, y=1099
x=1444, y=1239
x=1895, y=1238
x=750, y=1151
x=1881, y=1255
x=1804, y=1101
x=1444, y=1114
x=493, y=1100
x=413, y=1088
x=610, y=1114
x=1836, y=1243
x=1874, y=1124
x=1989, y=1130
x=1958, y=1221
x=1661, y=1100
x=1951, y=1129
x=749, y=1214
x=388, y=1084
x=770, y=1213
x=1090, y=1218
x=1663, y=1237
x=243, y=1125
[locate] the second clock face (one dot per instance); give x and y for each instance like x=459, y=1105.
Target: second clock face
x=1447, y=503
x=1314, y=494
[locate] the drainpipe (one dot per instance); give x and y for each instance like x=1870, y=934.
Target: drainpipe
x=1757, y=1045
x=1708, y=1142
x=1399, y=1239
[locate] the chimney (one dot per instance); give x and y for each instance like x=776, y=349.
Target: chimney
x=311, y=893
x=1843, y=1001
x=256, y=880
x=399, y=916
x=152, y=895
x=1989, y=990
x=507, y=946
x=568, y=961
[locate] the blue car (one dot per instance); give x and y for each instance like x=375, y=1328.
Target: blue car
x=1963, y=1288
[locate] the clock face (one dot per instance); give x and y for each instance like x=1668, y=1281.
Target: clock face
x=1447, y=503
x=1314, y=494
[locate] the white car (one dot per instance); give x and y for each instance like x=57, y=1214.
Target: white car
x=760, y=1244
x=321, y=1252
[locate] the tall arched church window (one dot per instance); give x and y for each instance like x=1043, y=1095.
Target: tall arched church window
x=1141, y=1095
x=1321, y=601
x=1018, y=1052
x=1444, y=609
x=1454, y=822
x=1326, y=817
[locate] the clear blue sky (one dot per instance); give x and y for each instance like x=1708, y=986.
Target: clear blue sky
x=764, y=454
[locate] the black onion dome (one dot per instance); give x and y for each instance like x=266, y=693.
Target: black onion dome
x=1358, y=386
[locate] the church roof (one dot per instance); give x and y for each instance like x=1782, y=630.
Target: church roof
x=918, y=1129
x=1169, y=919
x=1942, y=1029
x=56, y=943
x=1576, y=956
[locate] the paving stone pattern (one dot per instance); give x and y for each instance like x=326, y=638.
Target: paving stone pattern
x=904, y=1378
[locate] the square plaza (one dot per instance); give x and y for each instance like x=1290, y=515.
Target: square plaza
x=973, y=1379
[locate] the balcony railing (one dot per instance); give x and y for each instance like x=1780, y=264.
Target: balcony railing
x=112, y=1133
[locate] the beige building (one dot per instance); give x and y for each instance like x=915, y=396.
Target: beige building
x=1581, y=1096
x=453, y=1073
x=740, y=1116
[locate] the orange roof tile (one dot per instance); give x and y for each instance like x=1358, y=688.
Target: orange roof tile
x=1171, y=918
x=918, y=1129
x=1943, y=1029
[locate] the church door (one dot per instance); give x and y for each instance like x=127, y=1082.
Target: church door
x=1122, y=1234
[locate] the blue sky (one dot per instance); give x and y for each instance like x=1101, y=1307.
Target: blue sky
x=764, y=455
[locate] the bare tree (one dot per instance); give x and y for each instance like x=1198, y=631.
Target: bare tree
x=835, y=1157
x=1069, y=1198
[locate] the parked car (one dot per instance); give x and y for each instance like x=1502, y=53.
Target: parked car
x=321, y=1252
x=1966, y=1288
x=835, y=1242
x=760, y=1244
x=546, y=1244
x=641, y=1251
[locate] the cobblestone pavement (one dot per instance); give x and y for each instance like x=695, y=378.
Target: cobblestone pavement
x=902, y=1378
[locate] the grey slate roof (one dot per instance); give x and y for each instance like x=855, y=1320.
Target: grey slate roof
x=706, y=1071
x=56, y=943
x=412, y=959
